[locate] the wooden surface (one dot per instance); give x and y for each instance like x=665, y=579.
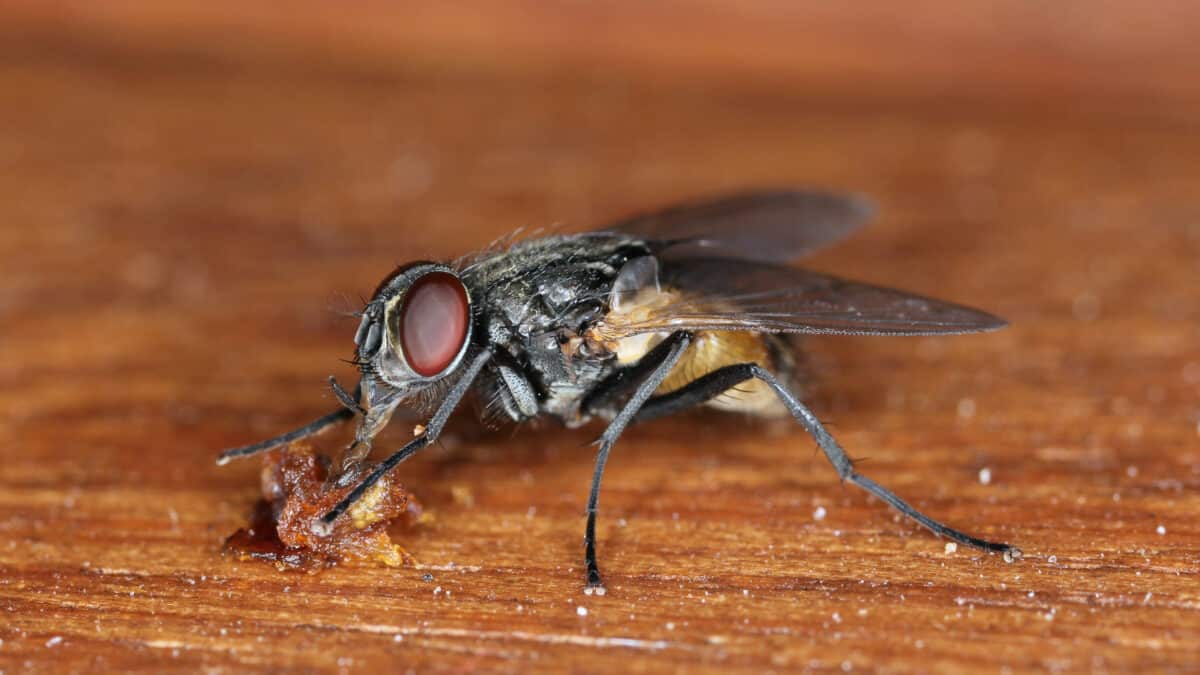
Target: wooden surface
x=193, y=198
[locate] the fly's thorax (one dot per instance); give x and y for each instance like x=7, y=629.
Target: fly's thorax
x=541, y=287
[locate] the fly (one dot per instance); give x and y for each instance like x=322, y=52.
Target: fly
x=688, y=306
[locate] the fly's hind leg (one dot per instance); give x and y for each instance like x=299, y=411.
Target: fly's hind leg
x=719, y=381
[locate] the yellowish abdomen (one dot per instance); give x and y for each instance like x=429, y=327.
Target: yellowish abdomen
x=710, y=351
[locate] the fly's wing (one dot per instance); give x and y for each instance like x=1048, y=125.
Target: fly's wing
x=742, y=295
x=774, y=225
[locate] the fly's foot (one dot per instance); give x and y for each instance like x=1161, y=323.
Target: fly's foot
x=321, y=528
x=594, y=585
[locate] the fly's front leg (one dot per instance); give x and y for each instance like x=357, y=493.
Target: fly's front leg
x=432, y=430
x=311, y=429
x=522, y=401
x=656, y=365
x=719, y=381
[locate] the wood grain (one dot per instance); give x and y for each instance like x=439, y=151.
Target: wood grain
x=192, y=200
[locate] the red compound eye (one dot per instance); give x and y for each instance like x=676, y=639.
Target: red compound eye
x=433, y=323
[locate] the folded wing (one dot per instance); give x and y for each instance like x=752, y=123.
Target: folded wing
x=718, y=293
x=772, y=225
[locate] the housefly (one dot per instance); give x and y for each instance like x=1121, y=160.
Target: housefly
x=688, y=306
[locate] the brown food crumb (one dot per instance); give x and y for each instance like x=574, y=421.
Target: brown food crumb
x=296, y=496
x=462, y=495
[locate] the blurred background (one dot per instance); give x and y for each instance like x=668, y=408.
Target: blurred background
x=194, y=195
x=204, y=179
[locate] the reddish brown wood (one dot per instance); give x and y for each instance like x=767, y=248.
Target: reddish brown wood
x=191, y=197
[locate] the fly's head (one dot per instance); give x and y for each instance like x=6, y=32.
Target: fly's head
x=414, y=333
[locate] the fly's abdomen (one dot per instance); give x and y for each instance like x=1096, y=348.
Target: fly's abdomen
x=711, y=350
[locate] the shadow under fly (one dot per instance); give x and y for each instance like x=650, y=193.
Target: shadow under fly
x=682, y=307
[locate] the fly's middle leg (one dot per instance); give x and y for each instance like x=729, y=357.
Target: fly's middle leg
x=655, y=365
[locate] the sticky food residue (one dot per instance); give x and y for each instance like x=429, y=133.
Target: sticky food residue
x=295, y=496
